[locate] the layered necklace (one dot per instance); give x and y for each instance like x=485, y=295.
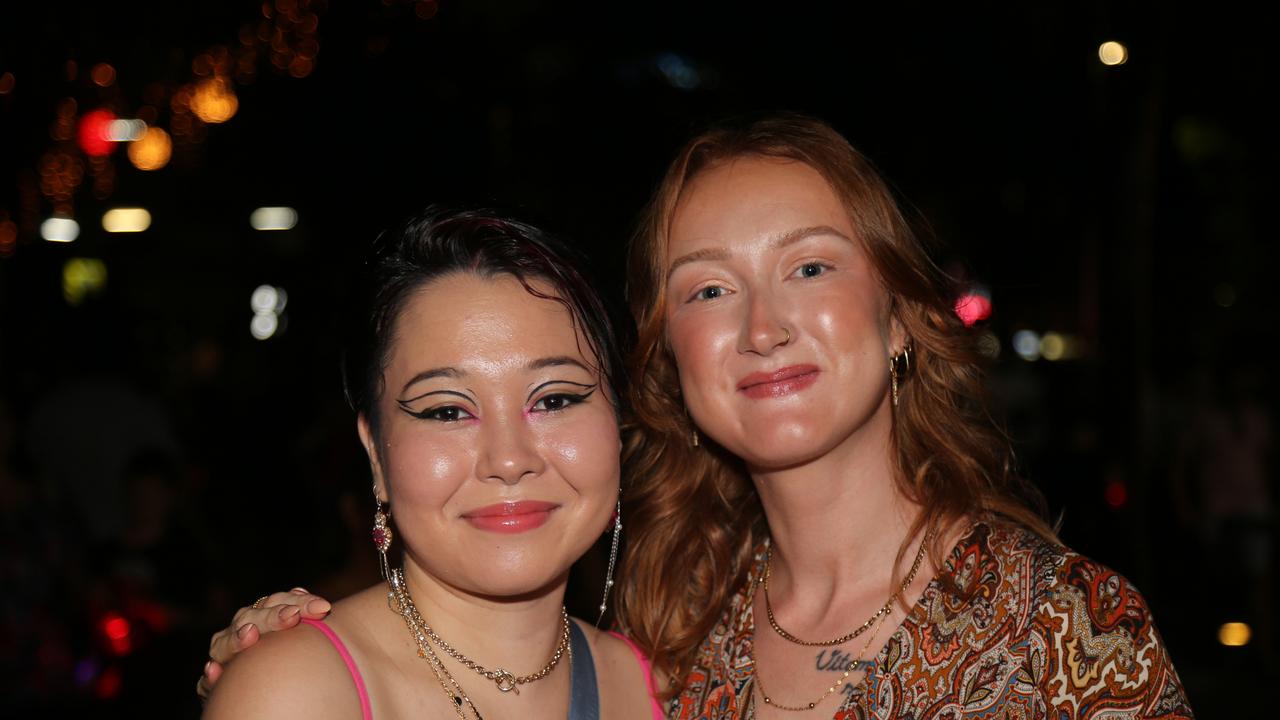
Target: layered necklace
x=874, y=621
x=401, y=603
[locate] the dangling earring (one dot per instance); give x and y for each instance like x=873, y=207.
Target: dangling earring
x=613, y=558
x=693, y=433
x=893, y=379
x=381, y=534
x=903, y=357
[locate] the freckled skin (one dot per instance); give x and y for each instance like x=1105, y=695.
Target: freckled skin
x=496, y=430
x=751, y=305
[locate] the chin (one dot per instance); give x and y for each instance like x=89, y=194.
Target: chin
x=510, y=583
x=517, y=571
x=780, y=446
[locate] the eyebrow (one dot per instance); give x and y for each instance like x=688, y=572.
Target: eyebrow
x=787, y=238
x=448, y=372
x=555, y=361
x=455, y=373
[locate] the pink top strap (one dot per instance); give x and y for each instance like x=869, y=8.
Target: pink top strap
x=366, y=712
x=648, y=673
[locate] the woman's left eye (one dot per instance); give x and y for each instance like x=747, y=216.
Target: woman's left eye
x=559, y=401
x=812, y=269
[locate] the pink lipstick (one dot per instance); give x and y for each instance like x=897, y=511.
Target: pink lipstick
x=788, y=380
x=511, y=517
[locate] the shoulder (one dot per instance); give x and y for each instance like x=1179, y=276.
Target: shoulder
x=288, y=674
x=1092, y=597
x=1101, y=649
x=623, y=675
x=1055, y=585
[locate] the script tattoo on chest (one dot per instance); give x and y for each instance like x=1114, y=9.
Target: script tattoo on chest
x=833, y=660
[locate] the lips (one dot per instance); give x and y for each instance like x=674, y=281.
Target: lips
x=511, y=517
x=779, y=383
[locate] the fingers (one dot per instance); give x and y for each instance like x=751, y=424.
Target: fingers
x=309, y=605
x=212, y=671
x=227, y=643
x=278, y=611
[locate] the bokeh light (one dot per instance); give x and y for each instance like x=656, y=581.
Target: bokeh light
x=263, y=299
x=263, y=325
x=989, y=345
x=82, y=278
x=60, y=229
x=92, y=133
x=1116, y=494
x=151, y=151
x=1113, y=53
x=214, y=101
x=1026, y=343
x=8, y=237
x=1053, y=346
x=273, y=218
x=1235, y=634
x=973, y=307
x=103, y=75
x=125, y=130
x=126, y=220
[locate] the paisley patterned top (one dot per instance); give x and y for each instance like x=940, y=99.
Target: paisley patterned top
x=1035, y=631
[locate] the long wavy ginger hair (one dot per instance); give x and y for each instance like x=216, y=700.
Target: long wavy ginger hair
x=694, y=519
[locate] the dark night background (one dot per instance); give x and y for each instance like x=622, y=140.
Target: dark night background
x=159, y=466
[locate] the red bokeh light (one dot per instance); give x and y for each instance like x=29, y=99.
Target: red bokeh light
x=972, y=308
x=1116, y=494
x=116, y=627
x=118, y=632
x=92, y=133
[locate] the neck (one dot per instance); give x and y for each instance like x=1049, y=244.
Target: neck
x=837, y=521
x=517, y=634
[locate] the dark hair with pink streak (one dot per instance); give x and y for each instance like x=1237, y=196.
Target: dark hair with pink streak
x=442, y=241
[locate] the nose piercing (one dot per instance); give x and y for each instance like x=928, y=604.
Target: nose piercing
x=787, y=337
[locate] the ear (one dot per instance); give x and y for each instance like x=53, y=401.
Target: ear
x=897, y=332
x=370, y=444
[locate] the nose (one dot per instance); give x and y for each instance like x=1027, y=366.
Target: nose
x=509, y=453
x=764, y=328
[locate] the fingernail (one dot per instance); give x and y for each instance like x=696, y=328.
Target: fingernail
x=300, y=591
x=288, y=612
x=244, y=630
x=318, y=606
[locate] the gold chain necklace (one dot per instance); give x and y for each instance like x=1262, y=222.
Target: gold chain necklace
x=883, y=611
x=458, y=698
x=853, y=665
x=506, y=681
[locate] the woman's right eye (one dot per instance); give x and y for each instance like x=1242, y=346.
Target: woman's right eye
x=446, y=413
x=711, y=292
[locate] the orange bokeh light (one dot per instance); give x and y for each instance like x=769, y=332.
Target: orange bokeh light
x=151, y=151
x=214, y=100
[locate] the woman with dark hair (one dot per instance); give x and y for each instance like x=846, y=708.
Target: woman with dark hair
x=822, y=517
x=483, y=373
